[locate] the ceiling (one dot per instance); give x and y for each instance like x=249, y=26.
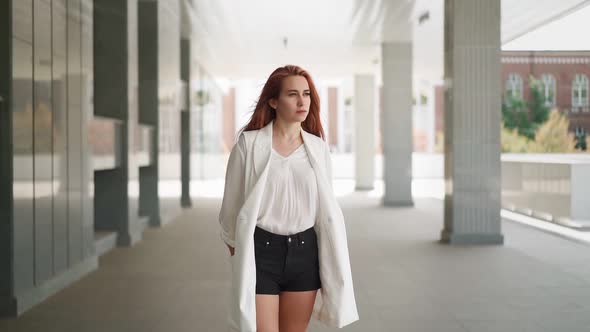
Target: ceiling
x=333, y=37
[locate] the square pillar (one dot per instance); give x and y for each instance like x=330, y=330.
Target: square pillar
x=364, y=147
x=396, y=123
x=472, y=122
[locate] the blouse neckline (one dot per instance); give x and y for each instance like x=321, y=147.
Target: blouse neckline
x=290, y=155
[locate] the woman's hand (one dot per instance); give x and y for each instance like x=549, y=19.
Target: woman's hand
x=231, y=249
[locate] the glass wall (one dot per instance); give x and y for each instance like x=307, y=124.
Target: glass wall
x=51, y=99
x=206, y=125
x=169, y=93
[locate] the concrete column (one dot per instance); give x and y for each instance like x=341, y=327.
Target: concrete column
x=364, y=141
x=228, y=107
x=148, y=93
x=7, y=302
x=333, y=116
x=396, y=123
x=185, y=120
x=115, y=69
x=472, y=122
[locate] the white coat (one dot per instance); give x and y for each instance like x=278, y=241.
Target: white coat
x=245, y=180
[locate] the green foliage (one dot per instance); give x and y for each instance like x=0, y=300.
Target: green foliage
x=553, y=135
x=515, y=116
x=202, y=97
x=423, y=99
x=582, y=141
x=537, y=104
x=526, y=116
x=511, y=141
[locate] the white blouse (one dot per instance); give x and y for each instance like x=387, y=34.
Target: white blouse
x=290, y=200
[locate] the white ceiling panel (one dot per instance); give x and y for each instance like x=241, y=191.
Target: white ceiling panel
x=335, y=37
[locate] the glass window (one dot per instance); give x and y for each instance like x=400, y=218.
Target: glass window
x=514, y=86
x=549, y=87
x=580, y=91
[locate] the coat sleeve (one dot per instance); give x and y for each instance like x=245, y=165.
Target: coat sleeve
x=233, y=193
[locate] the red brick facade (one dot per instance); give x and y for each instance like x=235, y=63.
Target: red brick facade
x=562, y=65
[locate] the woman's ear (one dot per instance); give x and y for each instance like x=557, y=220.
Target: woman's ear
x=273, y=103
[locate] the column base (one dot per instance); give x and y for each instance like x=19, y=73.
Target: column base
x=409, y=203
x=104, y=242
x=448, y=237
x=15, y=306
x=363, y=188
x=128, y=239
x=186, y=202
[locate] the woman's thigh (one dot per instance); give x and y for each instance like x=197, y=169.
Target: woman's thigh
x=295, y=309
x=267, y=313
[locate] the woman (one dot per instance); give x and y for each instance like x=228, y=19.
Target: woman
x=280, y=219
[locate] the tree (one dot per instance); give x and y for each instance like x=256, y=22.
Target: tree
x=553, y=135
x=511, y=141
x=539, y=112
x=526, y=116
x=514, y=115
x=581, y=139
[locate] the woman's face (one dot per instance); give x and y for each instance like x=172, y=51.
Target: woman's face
x=294, y=99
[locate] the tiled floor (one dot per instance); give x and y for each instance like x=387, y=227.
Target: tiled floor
x=176, y=279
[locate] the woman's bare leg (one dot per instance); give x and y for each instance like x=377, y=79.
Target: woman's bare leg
x=295, y=310
x=267, y=313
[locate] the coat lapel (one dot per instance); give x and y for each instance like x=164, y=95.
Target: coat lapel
x=262, y=149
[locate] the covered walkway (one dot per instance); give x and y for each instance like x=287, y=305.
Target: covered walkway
x=176, y=278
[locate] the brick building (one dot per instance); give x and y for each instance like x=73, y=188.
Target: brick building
x=564, y=76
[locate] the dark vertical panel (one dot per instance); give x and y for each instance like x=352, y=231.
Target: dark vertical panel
x=185, y=150
x=74, y=133
x=60, y=151
x=42, y=142
x=22, y=126
x=110, y=60
x=6, y=155
x=112, y=41
x=185, y=155
x=148, y=62
x=87, y=113
x=148, y=59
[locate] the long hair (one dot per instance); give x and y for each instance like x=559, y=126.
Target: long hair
x=263, y=114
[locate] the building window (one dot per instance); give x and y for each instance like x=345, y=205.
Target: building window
x=514, y=86
x=580, y=91
x=548, y=89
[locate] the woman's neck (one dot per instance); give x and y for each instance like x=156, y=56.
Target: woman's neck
x=287, y=132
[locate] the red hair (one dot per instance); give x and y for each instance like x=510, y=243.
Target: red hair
x=264, y=114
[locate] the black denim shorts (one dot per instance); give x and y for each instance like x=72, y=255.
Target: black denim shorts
x=286, y=262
